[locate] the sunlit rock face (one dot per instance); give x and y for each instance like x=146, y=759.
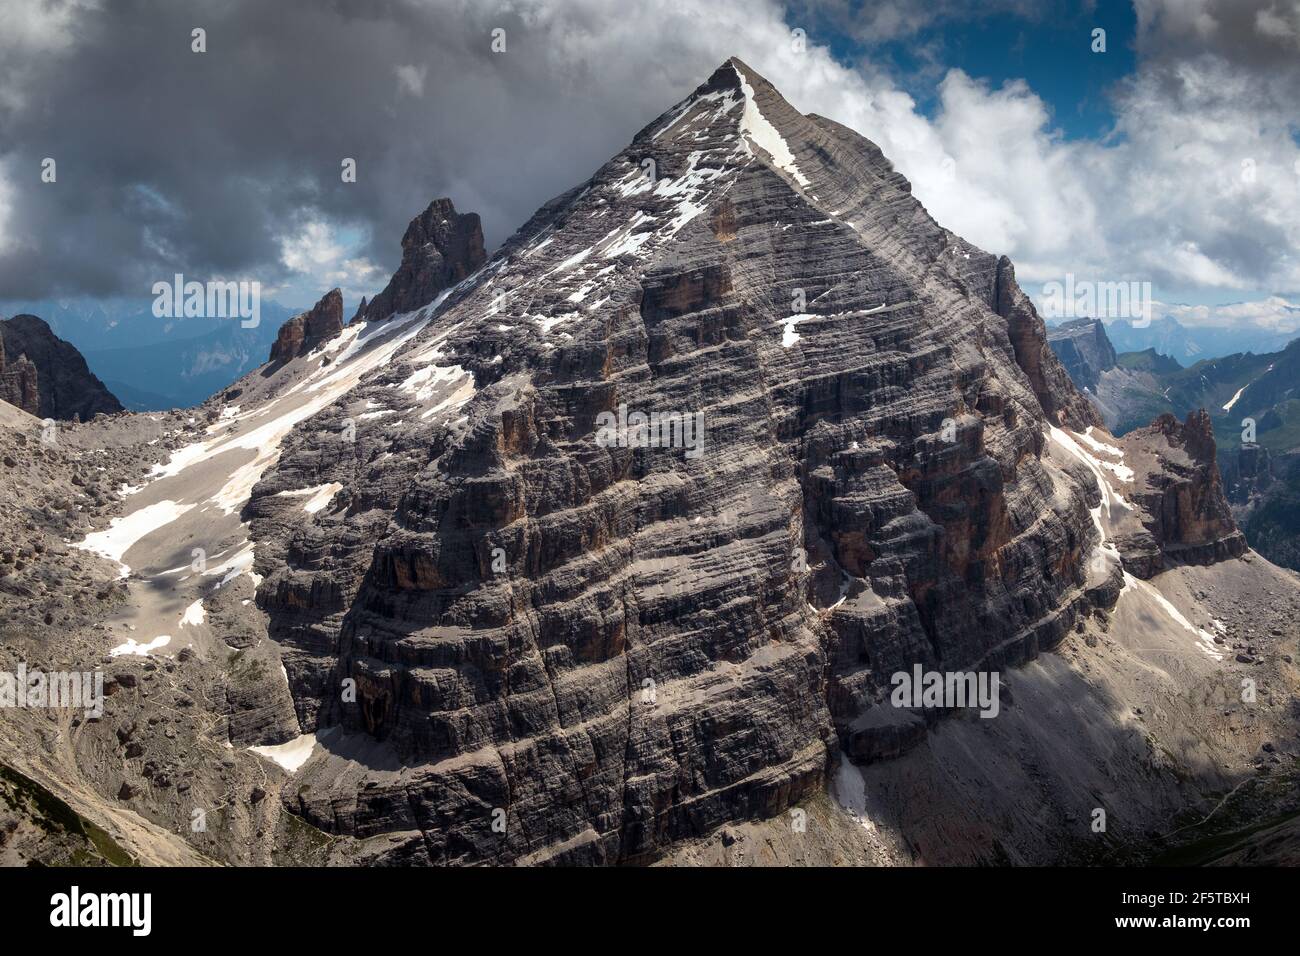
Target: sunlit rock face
x=1184, y=515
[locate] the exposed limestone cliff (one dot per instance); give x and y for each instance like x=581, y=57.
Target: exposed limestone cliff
x=624, y=646
x=606, y=550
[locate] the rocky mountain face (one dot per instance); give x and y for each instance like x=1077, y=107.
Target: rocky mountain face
x=440, y=248
x=311, y=329
x=1248, y=401
x=18, y=377
x=1084, y=350
x=609, y=549
x=46, y=376
x=1125, y=388
x=673, y=640
x=623, y=646
x=1184, y=515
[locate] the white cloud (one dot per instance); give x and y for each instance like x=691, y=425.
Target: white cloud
x=311, y=249
x=1198, y=189
x=1276, y=314
x=1165, y=200
x=1269, y=24
x=410, y=78
x=32, y=30
x=323, y=261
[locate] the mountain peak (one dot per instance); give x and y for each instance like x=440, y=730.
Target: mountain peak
x=854, y=460
x=743, y=106
x=734, y=73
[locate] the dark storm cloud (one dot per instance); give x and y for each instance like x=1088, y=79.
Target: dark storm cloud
x=1257, y=41
x=1257, y=35
x=170, y=160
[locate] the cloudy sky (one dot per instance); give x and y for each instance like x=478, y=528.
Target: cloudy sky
x=1173, y=156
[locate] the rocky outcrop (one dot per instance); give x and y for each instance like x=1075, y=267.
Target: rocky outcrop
x=440, y=248
x=1084, y=350
x=1179, y=493
x=18, y=382
x=46, y=376
x=305, y=332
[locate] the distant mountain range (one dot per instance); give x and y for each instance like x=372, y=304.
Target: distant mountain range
x=1189, y=344
x=151, y=363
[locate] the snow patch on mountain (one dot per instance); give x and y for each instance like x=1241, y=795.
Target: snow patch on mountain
x=123, y=533
x=135, y=649
x=761, y=133
x=789, y=336
x=291, y=755
x=318, y=496
x=194, y=614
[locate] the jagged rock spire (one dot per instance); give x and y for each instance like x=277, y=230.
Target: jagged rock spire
x=360, y=314
x=440, y=247
x=304, y=332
